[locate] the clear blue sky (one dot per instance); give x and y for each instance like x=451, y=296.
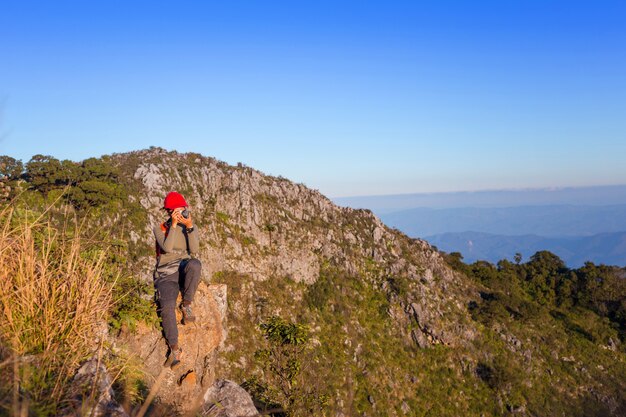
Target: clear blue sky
x=351, y=98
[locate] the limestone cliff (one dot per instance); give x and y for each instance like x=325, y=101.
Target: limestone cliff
x=394, y=330
x=264, y=226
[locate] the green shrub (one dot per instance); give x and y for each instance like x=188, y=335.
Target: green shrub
x=283, y=360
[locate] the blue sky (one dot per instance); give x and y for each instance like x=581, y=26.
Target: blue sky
x=351, y=98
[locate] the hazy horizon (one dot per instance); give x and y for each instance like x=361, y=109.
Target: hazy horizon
x=490, y=190
x=593, y=196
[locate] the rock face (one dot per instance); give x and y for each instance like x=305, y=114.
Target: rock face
x=227, y=399
x=264, y=230
x=92, y=377
x=389, y=317
x=263, y=226
x=182, y=389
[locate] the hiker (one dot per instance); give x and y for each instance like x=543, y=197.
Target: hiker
x=176, y=270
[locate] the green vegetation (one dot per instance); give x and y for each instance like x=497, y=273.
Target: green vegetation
x=91, y=183
x=269, y=228
x=359, y=360
x=283, y=387
x=10, y=173
x=72, y=271
x=132, y=304
x=527, y=353
x=60, y=284
x=544, y=283
x=93, y=190
x=543, y=339
x=562, y=324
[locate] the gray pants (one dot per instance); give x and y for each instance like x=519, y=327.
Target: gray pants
x=185, y=280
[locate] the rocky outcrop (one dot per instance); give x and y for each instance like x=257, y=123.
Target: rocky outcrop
x=227, y=399
x=93, y=396
x=271, y=240
x=264, y=226
x=265, y=231
x=182, y=389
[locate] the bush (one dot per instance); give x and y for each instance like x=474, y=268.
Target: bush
x=283, y=363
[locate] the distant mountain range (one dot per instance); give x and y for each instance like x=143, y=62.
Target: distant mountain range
x=578, y=224
x=606, y=248
x=549, y=221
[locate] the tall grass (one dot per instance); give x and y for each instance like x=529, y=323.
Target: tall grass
x=53, y=309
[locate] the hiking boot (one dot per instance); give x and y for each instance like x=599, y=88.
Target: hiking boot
x=188, y=316
x=173, y=360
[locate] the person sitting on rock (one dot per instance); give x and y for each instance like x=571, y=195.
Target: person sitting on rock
x=176, y=271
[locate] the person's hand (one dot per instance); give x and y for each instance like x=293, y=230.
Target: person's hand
x=176, y=217
x=186, y=221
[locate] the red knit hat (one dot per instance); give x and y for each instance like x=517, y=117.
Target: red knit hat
x=174, y=200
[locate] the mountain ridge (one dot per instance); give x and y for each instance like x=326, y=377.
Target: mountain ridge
x=426, y=302
x=394, y=327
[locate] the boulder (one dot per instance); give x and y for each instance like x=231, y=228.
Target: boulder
x=227, y=399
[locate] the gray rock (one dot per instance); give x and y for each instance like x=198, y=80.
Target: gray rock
x=93, y=378
x=227, y=399
x=612, y=345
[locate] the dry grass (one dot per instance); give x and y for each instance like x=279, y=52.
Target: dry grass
x=53, y=308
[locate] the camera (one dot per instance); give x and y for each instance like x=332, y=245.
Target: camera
x=185, y=213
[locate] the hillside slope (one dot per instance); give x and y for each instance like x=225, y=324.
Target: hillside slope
x=389, y=318
x=270, y=240
x=330, y=312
